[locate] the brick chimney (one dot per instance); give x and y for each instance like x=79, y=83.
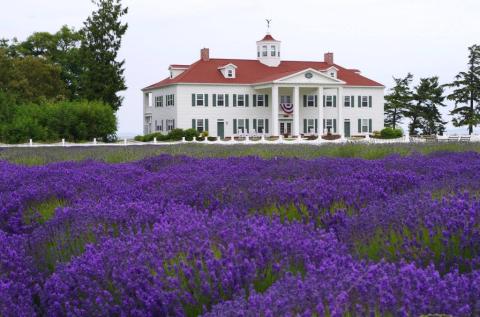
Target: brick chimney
x=205, y=54
x=328, y=58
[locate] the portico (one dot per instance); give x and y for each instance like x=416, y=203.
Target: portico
x=302, y=95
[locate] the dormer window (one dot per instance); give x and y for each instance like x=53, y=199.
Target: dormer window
x=228, y=71
x=332, y=74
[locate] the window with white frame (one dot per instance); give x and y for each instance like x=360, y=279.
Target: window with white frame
x=329, y=124
x=159, y=125
x=220, y=100
x=310, y=101
x=258, y=51
x=230, y=73
x=159, y=101
x=285, y=99
x=264, y=51
x=199, y=100
x=364, y=101
x=260, y=100
x=329, y=101
x=364, y=125
x=348, y=101
x=170, y=100
x=200, y=126
x=310, y=125
x=241, y=125
x=240, y=100
x=170, y=124
x=273, y=50
x=260, y=125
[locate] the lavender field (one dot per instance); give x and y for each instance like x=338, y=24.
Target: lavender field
x=242, y=236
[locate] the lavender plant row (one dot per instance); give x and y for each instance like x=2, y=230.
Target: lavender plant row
x=179, y=236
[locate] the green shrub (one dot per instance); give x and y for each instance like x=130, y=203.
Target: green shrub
x=176, y=135
x=390, y=133
x=211, y=138
x=190, y=133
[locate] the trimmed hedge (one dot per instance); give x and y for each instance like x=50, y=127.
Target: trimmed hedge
x=390, y=133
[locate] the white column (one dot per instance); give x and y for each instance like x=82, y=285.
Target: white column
x=340, y=124
x=320, y=111
x=275, y=106
x=296, y=111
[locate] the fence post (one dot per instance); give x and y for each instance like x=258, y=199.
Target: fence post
x=247, y=139
x=280, y=138
x=31, y=142
x=63, y=142
x=155, y=140
x=183, y=139
x=263, y=138
x=94, y=141
x=194, y=139
x=125, y=141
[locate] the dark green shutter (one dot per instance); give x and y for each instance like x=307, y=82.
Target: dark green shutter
x=316, y=101
x=324, y=100
x=193, y=100
x=246, y=100
x=214, y=100
x=246, y=124
x=234, y=126
x=359, y=101
x=193, y=124
x=266, y=100
x=255, y=124
x=370, y=125
x=205, y=97
x=304, y=100
x=254, y=100
x=234, y=100
x=352, y=100
x=359, y=125
x=370, y=102
x=206, y=125
x=304, y=125
x=334, y=125
x=323, y=127
x=316, y=125
x=266, y=125
x=173, y=99
x=227, y=101
x=334, y=101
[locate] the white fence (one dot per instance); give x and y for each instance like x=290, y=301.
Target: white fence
x=254, y=140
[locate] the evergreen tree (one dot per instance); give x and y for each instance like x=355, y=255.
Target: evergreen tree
x=466, y=93
x=398, y=101
x=102, y=76
x=428, y=96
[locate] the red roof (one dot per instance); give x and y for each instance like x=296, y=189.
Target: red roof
x=253, y=72
x=268, y=37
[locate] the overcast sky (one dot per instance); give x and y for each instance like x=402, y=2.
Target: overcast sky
x=382, y=38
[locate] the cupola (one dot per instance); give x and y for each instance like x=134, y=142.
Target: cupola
x=268, y=51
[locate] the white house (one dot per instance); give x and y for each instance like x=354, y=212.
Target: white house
x=266, y=95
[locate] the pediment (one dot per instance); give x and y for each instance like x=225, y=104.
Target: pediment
x=309, y=76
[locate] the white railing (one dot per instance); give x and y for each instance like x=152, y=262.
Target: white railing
x=254, y=138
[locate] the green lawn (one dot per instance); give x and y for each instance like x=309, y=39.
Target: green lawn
x=38, y=156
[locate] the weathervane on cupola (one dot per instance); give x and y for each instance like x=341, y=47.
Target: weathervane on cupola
x=268, y=49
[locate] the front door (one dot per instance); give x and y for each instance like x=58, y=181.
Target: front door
x=220, y=129
x=347, y=128
x=285, y=128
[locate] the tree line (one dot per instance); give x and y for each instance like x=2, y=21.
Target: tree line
x=74, y=76
x=421, y=103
